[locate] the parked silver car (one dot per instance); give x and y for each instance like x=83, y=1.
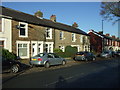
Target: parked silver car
x=106, y=54
x=47, y=59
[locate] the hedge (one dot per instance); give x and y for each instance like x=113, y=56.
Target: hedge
x=69, y=52
x=8, y=55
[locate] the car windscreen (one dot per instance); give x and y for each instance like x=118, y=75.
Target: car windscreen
x=80, y=53
x=105, y=52
x=40, y=55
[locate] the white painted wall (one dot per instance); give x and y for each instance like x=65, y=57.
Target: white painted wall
x=6, y=33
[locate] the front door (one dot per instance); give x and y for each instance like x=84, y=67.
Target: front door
x=34, y=49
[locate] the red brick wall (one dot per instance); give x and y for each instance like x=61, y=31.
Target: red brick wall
x=96, y=42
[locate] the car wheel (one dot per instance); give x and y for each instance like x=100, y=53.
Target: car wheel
x=94, y=58
x=47, y=65
x=15, y=68
x=63, y=62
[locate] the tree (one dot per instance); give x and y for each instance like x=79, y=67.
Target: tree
x=110, y=11
x=38, y=13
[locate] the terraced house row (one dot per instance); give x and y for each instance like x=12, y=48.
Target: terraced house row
x=103, y=42
x=27, y=35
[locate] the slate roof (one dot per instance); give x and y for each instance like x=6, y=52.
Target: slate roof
x=20, y=16
x=107, y=37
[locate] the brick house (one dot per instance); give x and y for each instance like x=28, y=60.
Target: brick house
x=70, y=36
x=100, y=42
x=27, y=35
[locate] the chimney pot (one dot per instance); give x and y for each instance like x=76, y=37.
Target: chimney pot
x=113, y=36
x=107, y=34
x=53, y=18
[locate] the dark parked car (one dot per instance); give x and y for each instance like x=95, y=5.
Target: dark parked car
x=84, y=55
x=47, y=59
x=10, y=65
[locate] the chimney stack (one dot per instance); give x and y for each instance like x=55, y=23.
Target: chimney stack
x=113, y=37
x=100, y=32
x=107, y=34
x=75, y=25
x=53, y=18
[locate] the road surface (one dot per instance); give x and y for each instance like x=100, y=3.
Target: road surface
x=95, y=74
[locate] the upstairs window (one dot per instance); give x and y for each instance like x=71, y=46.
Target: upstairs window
x=23, y=29
x=48, y=33
x=61, y=35
x=81, y=39
x=73, y=37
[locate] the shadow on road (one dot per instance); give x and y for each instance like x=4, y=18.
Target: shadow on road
x=61, y=82
x=107, y=78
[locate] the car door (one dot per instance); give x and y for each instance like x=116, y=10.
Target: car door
x=51, y=59
x=6, y=64
x=58, y=59
x=89, y=56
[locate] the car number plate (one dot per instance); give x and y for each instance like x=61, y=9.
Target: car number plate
x=34, y=59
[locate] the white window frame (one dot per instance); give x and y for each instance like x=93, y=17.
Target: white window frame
x=73, y=37
x=41, y=46
x=61, y=35
x=2, y=24
x=26, y=29
x=81, y=38
x=37, y=47
x=48, y=43
x=50, y=32
x=23, y=42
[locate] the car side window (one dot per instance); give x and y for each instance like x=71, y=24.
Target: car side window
x=50, y=56
x=56, y=56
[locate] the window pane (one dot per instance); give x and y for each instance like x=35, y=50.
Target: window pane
x=19, y=45
x=22, y=51
x=47, y=33
x=22, y=31
x=24, y=45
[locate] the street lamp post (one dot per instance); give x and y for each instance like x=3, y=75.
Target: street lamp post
x=102, y=26
x=103, y=38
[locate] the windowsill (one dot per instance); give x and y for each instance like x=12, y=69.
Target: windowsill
x=24, y=57
x=48, y=38
x=24, y=36
x=73, y=41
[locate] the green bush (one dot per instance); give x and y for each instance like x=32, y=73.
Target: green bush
x=8, y=55
x=69, y=52
x=56, y=50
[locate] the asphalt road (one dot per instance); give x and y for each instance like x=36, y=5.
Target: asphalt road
x=96, y=74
